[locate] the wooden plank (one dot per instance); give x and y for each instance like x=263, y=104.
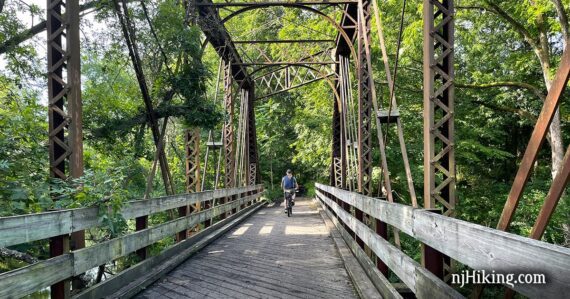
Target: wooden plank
x=136, y=278
x=397, y=215
x=484, y=248
x=379, y=281
x=26, y=280
x=27, y=228
x=93, y=256
x=402, y=265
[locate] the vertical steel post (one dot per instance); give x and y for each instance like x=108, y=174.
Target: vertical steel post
x=338, y=167
x=439, y=152
x=193, y=180
x=228, y=132
x=252, y=137
x=64, y=147
x=364, y=109
x=364, y=105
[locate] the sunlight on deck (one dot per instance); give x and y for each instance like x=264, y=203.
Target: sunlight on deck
x=304, y=230
x=266, y=230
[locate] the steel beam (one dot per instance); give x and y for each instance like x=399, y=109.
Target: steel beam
x=275, y=3
x=228, y=130
x=364, y=106
x=284, y=41
x=288, y=63
x=65, y=119
x=193, y=179
x=537, y=138
x=213, y=27
x=558, y=185
x=252, y=139
x=338, y=167
x=439, y=148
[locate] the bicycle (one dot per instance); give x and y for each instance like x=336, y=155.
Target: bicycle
x=289, y=202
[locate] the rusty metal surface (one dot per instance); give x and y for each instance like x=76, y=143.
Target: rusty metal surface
x=439, y=148
x=364, y=105
x=556, y=190
x=537, y=138
x=65, y=119
x=253, y=174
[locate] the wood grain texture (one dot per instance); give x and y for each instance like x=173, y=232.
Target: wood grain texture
x=479, y=247
x=31, y=278
x=402, y=265
x=131, y=281
x=380, y=282
x=27, y=228
x=24, y=281
x=267, y=256
x=397, y=215
x=484, y=248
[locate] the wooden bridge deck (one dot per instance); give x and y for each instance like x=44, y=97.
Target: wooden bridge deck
x=267, y=256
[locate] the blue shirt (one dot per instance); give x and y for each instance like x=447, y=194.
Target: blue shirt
x=288, y=183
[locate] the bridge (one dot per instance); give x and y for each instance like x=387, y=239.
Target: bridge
x=231, y=242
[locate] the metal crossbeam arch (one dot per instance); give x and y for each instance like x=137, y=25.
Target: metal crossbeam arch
x=276, y=3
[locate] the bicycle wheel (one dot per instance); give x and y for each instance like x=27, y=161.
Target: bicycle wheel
x=289, y=210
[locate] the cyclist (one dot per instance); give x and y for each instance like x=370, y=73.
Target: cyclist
x=289, y=183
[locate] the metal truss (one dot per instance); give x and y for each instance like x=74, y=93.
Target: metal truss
x=228, y=129
x=288, y=77
x=338, y=169
x=439, y=151
x=64, y=111
x=252, y=138
x=192, y=157
x=365, y=116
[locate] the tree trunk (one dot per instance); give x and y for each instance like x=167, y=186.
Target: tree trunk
x=555, y=130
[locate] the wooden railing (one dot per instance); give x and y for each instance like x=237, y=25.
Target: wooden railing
x=27, y=228
x=476, y=246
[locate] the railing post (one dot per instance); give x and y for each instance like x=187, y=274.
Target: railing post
x=382, y=231
x=432, y=259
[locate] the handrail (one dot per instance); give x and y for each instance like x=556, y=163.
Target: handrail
x=476, y=246
x=23, y=281
x=20, y=229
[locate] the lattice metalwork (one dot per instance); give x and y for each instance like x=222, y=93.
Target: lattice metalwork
x=439, y=152
x=284, y=78
x=252, y=138
x=64, y=111
x=364, y=104
x=228, y=129
x=192, y=147
x=252, y=173
x=338, y=168
x=259, y=52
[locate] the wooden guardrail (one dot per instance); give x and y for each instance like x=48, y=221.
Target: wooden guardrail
x=476, y=246
x=26, y=228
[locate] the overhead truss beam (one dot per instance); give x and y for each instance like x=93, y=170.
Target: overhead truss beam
x=284, y=41
x=213, y=27
x=274, y=3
